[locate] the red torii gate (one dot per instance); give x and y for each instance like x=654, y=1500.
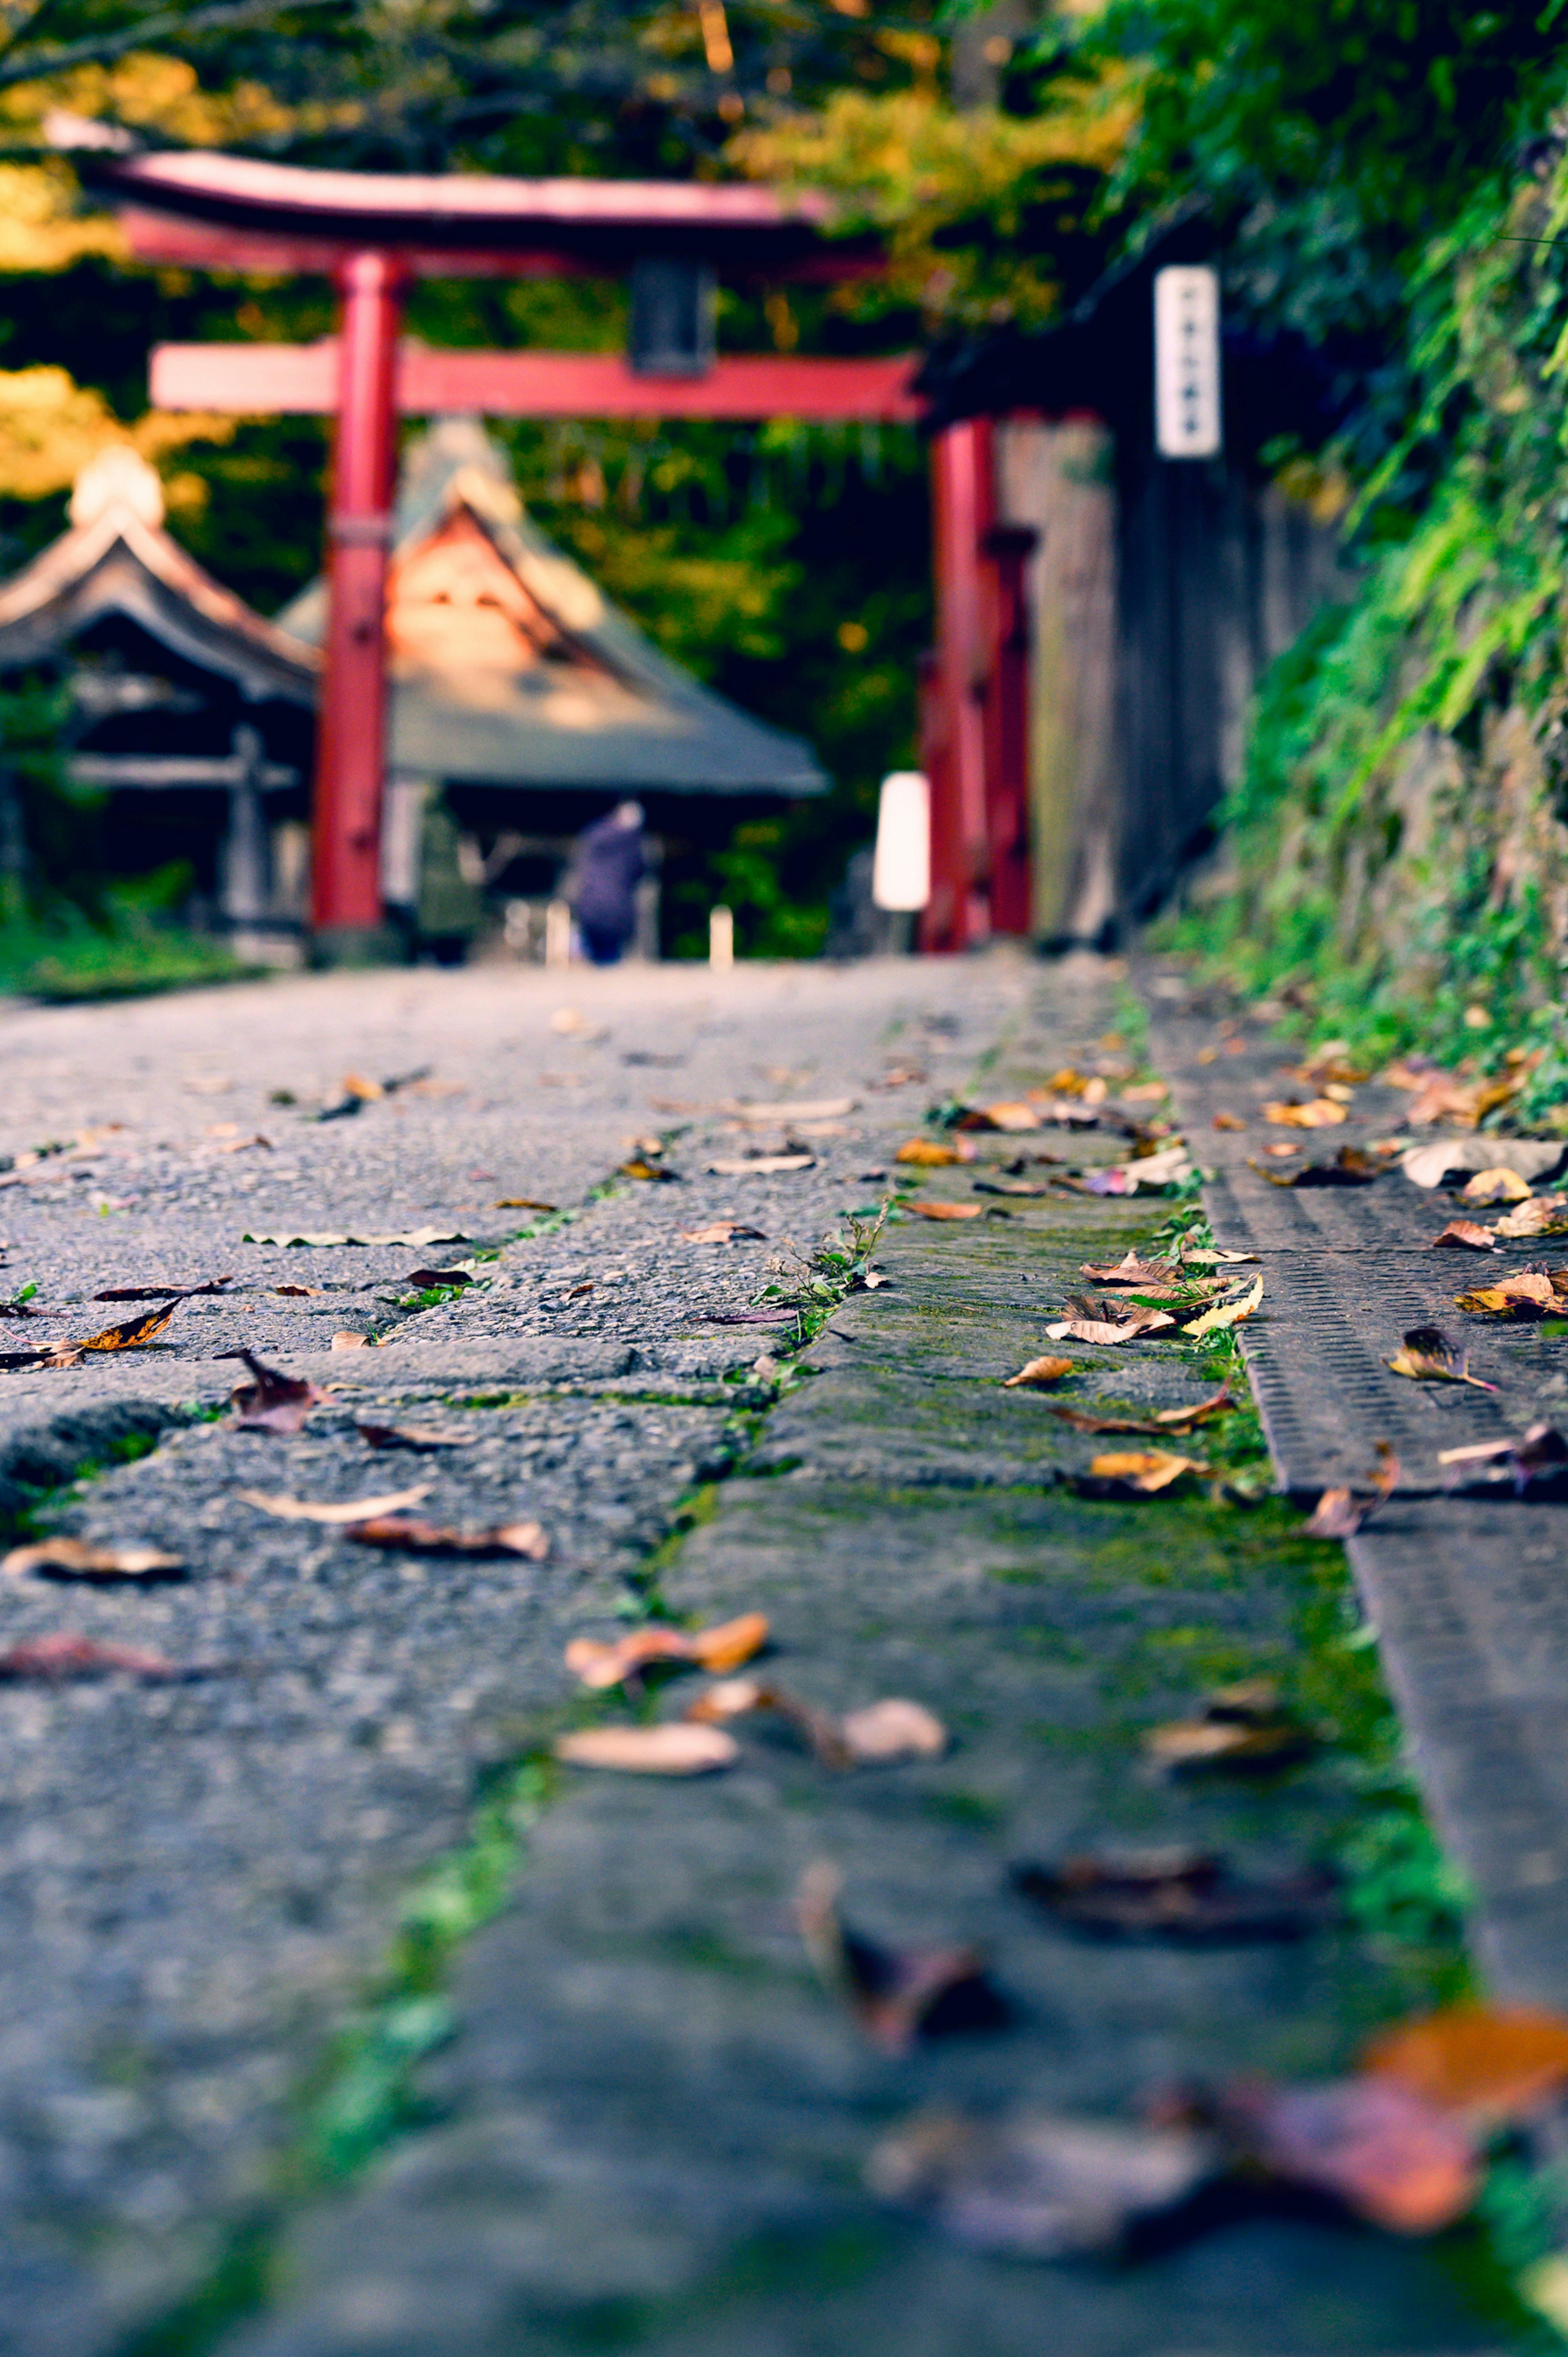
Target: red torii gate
x=373, y=233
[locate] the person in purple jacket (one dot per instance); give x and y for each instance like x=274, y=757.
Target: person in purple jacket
x=608, y=862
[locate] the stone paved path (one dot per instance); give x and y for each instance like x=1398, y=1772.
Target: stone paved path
x=650, y=2125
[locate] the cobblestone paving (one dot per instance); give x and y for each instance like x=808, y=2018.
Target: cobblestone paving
x=650, y=2126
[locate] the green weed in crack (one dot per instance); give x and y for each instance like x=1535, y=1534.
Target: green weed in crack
x=814, y=1283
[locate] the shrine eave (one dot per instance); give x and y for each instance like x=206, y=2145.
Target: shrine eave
x=209, y=211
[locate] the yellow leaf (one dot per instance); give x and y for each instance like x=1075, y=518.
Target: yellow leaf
x=1228, y=1313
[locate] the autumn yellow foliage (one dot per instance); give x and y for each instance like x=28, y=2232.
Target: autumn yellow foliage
x=50, y=427
x=910, y=165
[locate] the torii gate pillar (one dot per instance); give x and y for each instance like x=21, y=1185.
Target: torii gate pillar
x=345, y=889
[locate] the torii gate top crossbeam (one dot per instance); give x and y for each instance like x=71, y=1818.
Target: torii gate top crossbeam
x=212, y=210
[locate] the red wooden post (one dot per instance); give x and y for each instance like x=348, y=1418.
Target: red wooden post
x=352, y=743
x=1008, y=548
x=963, y=508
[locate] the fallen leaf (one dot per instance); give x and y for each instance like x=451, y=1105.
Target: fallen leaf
x=1041, y=2186
x=1174, y=1893
x=760, y=1166
x=1223, y=1120
x=641, y=1167
x=1496, y=1187
x=1532, y=1158
x=947, y=1210
x=1166, y=1419
x=1107, y=1323
x=1349, y=1167
x=1211, y=1257
x=1317, y=1112
x=411, y=1436
x=1540, y=1458
x=357, y=1510
x=675, y=1748
x=1427, y=1356
x=348, y=1341
x=1039, y=1372
x=1389, y=2155
x=302, y=1292
x=57, y=1354
x=778, y=1317
x=1132, y=1270
x=1339, y=1513
x=1462, y=1234
x=929, y=1156
x=721, y=1232
x=64, y=1656
x=1228, y=1313
x=417, y=1239
x=1145, y=1092
x=1030, y=1186
x=1495, y=2064
x=1145, y=1470
x=1007, y=1116
x=1528, y=1295
x=62, y=1558
x=808, y=1109
x=523, y=1203
x=429, y=1278
x=162, y=1292
x=892, y=1729
x=1037, y=2186
x=1538, y=1215
x=389, y=1530
x=131, y=1335
x=271, y=1400
x=896, y=1996
x=1243, y=1727
x=599, y=1663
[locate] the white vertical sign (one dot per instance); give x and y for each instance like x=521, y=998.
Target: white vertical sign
x=901, y=865
x=1187, y=362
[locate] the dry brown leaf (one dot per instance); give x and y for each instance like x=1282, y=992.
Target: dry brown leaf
x=1228, y=1313
x=927, y=1155
x=896, y=1996
x=1339, y=1513
x=1223, y=1120
x=1107, y=1323
x=523, y=1203
x=1036, y=2186
x=721, y=1232
x=411, y=1436
x=1317, y=1112
x=1145, y=1092
x=399, y=1531
x=658, y=1173
x=271, y=1400
x=348, y=1341
x=1132, y=1269
x=675, y=1748
x=1427, y=1356
x=1167, y=1420
x=1528, y=1295
x=1539, y=1215
x=1174, y=1893
x=1349, y=1167
x=757, y=1166
x=1496, y=1187
x=947, y=1210
x=356, y=1509
x=1243, y=1727
x=163, y=1292
x=428, y=1279
x=1386, y=2153
x=131, y=1335
x=1011, y=1116
x=1146, y=1470
x=62, y=1558
x=890, y=1730
x=1038, y=1373
x=302, y=1292
x=1496, y=2064
x=1460, y=1234
x=599, y=1663
x=67, y=1656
